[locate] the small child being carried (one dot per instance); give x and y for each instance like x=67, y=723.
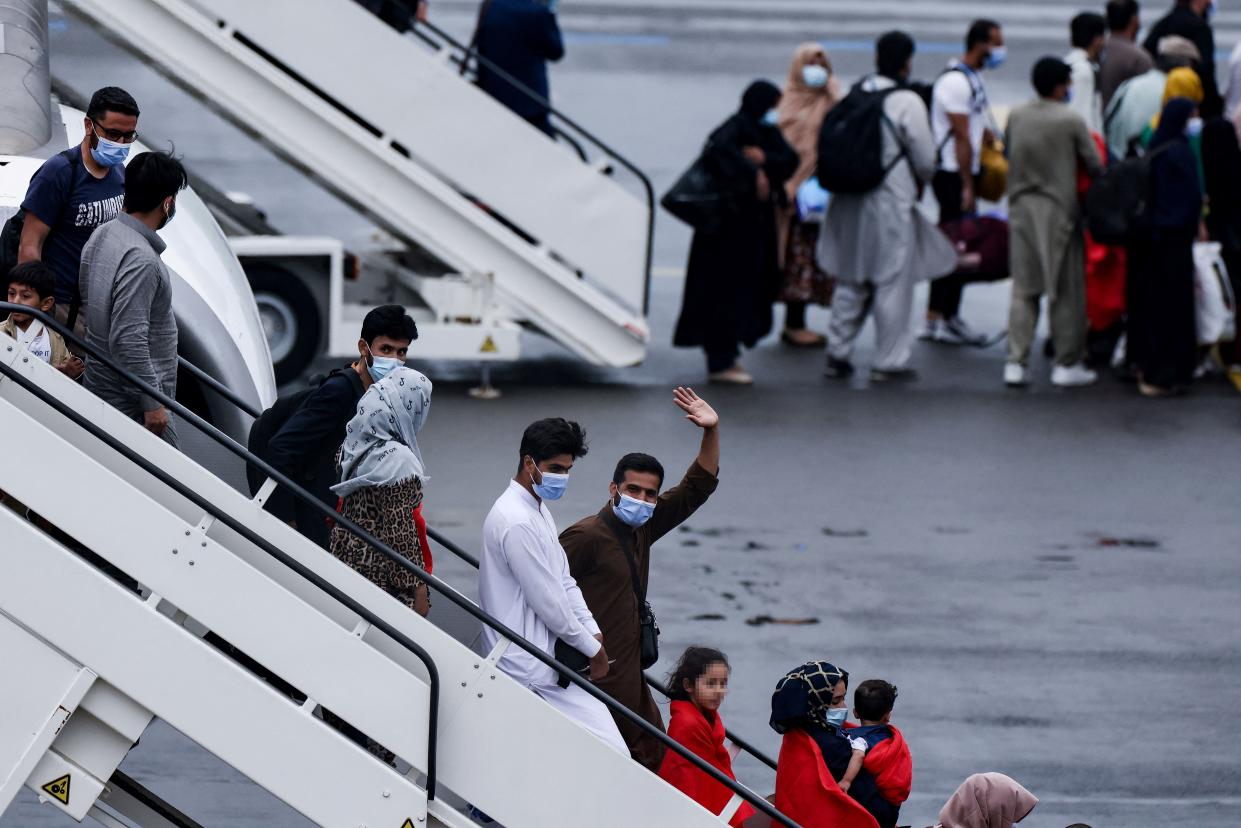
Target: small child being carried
x=31, y=284
x=887, y=756
x=698, y=686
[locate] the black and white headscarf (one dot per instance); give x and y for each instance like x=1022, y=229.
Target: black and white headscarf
x=381, y=441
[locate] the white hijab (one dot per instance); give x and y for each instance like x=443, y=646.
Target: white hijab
x=381, y=441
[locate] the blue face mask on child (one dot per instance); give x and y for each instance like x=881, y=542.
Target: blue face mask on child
x=836, y=716
x=772, y=118
x=633, y=512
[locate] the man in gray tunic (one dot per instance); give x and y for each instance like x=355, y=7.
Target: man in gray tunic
x=1046, y=143
x=127, y=292
x=878, y=244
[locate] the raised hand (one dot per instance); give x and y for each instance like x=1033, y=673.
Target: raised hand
x=696, y=409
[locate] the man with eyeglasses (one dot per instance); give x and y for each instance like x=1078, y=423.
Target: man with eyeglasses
x=76, y=191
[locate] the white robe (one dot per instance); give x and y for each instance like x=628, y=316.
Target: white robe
x=524, y=582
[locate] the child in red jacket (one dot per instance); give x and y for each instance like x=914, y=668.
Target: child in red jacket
x=698, y=687
x=887, y=756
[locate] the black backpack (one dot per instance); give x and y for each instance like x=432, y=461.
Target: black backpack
x=1118, y=202
x=11, y=233
x=851, y=143
x=272, y=420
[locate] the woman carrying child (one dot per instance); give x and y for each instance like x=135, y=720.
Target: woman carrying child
x=820, y=767
x=699, y=685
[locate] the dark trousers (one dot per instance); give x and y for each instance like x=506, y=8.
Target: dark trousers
x=721, y=358
x=946, y=291
x=1163, y=335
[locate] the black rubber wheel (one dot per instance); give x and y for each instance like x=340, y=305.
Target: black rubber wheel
x=290, y=318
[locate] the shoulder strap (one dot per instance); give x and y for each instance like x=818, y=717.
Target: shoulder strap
x=626, y=544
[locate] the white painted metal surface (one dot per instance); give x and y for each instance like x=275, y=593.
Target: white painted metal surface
x=500, y=746
x=463, y=320
x=395, y=131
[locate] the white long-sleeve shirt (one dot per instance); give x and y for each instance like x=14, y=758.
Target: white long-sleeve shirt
x=1086, y=101
x=524, y=582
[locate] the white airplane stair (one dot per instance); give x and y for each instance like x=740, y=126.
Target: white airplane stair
x=148, y=587
x=392, y=127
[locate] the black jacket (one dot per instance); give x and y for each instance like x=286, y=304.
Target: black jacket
x=519, y=36
x=299, y=436
x=1183, y=21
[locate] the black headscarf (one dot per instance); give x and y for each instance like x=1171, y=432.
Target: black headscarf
x=1177, y=206
x=758, y=98
x=1172, y=122
x=804, y=695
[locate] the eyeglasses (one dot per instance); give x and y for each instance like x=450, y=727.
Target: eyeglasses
x=115, y=134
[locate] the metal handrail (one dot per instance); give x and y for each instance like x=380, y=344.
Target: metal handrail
x=357, y=531
x=468, y=53
x=460, y=552
x=237, y=526
x=457, y=550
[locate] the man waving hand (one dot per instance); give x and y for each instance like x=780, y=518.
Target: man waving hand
x=610, y=555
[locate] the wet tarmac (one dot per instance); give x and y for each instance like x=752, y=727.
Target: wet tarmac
x=1050, y=577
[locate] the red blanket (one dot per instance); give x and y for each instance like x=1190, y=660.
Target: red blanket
x=1105, y=269
x=706, y=740
x=806, y=792
x=892, y=766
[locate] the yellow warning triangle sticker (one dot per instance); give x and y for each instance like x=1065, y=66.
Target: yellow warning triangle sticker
x=489, y=347
x=59, y=788
x=409, y=823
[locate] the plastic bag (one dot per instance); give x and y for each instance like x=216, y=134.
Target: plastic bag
x=812, y=200
x=1215, y=303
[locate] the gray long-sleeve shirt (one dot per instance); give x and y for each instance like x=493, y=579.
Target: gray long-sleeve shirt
x=127, y=293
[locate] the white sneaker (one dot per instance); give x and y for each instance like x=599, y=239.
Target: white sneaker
x=1015, y=375
x=1073, y=376
x=930, y=330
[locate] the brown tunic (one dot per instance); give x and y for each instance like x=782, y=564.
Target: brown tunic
x=599, y=565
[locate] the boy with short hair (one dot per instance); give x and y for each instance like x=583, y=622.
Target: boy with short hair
x=887, y=757
x=33, y=284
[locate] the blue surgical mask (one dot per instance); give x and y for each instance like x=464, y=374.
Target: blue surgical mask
x=772, y=118
x=379, y=367
x=109, y=153
x=552, y=486
x=996, y=59
x=1210, y=12
x=1194, y=128
x=1068, y=96
x=814, y=75
x=836, y=716
x=633, y=512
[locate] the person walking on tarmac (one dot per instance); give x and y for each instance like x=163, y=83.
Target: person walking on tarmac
x=300, y=435
x=610, y=558
x=960, y=124
x=1046, y=142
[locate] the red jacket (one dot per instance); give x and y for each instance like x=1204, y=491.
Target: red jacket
x=704, y=739
x=806, y=792
x=892, y=766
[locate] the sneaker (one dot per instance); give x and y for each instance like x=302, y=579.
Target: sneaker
x=893, y=375
x=931, y=330
x=736, y=375
x=1072, y=376
x=838, y=368
x=1015, y=375
x=954, y=331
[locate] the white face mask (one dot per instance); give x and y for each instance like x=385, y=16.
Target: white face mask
x=814, y=75
x=1194, y=128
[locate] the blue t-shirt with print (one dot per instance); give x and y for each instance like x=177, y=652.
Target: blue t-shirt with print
x=72, y=202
